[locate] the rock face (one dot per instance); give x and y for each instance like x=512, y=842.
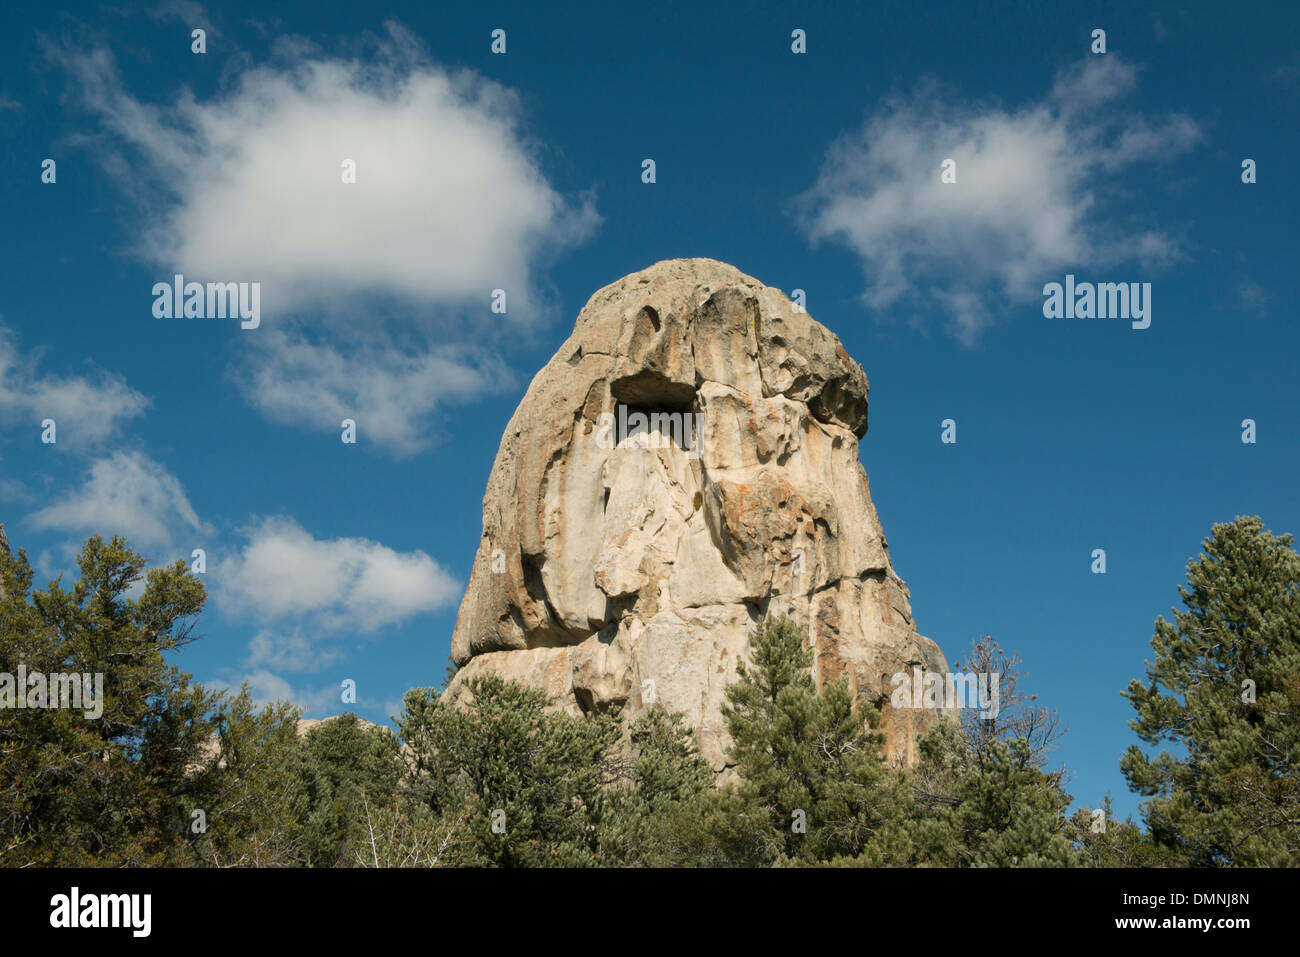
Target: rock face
x=306, y=725
x=686, y=463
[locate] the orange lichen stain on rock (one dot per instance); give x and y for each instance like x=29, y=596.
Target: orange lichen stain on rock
x=555, y=671
x=739, y=501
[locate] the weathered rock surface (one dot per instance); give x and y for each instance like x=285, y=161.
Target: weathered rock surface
x=307, y=725
x=621, y=568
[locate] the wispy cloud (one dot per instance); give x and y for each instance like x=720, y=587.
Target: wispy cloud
x=291, y=651
x=86, y=410
x=188, y=12
x=1251, y=297
x=128, y=494
x=266, y=687
x=390, y=393
x=1025, y=204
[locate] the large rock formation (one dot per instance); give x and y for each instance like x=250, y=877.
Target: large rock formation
x=628, y=562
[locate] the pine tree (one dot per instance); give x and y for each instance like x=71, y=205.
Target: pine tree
x=122, y=788
x=246, y=789
x=109, y=790
x=653, y=779
x=1101, y=840
x=983, y=795
x=345, y=767
x=812, y=759
x=1224, y=690
x=526, y=779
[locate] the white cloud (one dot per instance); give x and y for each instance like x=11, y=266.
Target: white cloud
x=318, y=590
x=449, y=202
x=283, y=573
x=85, y=410
x=391, y=393
x=1024, y=207
x=128, y=494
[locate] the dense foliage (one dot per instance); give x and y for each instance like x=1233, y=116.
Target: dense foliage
x=173, y=774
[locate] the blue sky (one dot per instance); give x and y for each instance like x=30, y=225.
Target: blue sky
x=522, y=171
